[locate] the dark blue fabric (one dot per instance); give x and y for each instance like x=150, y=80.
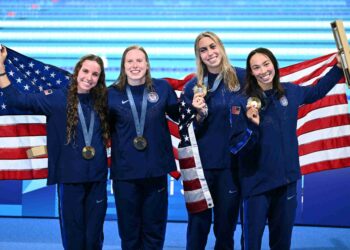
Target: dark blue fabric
x=223, y=186
x=213, y=134
x=142, y=210
x=82, y=210
x=278, y=207
x=158, y=158
x=271, y=159
x=65, y=162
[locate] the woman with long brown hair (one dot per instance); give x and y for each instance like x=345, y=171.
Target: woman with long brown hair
x=77, y=133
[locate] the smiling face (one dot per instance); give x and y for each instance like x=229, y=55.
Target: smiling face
x=88, y=76
x=263, y=70
x=136, y=67
x=210, y=54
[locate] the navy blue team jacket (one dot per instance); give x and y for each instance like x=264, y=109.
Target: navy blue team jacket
x=157, y=159
x=268, y=153
x=65, y=162
x=213, y=133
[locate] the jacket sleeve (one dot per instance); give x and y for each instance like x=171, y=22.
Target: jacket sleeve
x=244, y=134
x=37, y=103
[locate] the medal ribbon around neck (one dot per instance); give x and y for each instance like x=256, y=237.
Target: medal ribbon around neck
x=87, y=133
x=216, y=82
x=139, y=123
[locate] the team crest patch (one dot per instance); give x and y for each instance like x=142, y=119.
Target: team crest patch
x=152, y=97
x=284, y=101
x=48, y=91
x=235, y=110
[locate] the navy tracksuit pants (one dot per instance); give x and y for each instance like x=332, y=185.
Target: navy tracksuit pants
x=278, y=208
x=142, y=211
x=82, y=210
x=223, y=186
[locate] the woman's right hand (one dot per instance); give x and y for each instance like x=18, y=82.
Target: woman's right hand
x=253, y=114
x=198, y=102
x=200, y=105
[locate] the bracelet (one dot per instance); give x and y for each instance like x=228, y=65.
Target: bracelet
x=2, y=74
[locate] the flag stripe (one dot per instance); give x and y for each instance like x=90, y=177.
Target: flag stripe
x=22, y=119
x=191, y=185
x=323, y=134
x=320, y=145
x=321, y=123
x=324, y=155
x=324, y=102
x=23, y=130
x=23, y=141
x=325, y=165
x=23, y=164
x=23, y=174
x=323, y=112
x=15, y=153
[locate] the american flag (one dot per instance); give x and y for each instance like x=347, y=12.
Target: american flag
x=20, y=131
x=323, y=127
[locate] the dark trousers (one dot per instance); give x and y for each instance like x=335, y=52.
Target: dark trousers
x=223, y=187
x=82, y=210
x=278, y=208
x=142, y=211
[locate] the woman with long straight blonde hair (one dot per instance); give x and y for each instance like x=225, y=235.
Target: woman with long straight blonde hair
x=209, y=94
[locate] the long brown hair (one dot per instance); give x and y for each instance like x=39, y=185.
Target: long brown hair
x=99, y=97
x=122, y=79
x=252, y=87
x=229, y=73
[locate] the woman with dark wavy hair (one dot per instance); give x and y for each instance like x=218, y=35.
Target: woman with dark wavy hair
x=142, y=153
x=77, y=134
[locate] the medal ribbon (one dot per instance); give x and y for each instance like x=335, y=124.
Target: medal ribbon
x=216, y=82
x=87, y=133
x=139, y=123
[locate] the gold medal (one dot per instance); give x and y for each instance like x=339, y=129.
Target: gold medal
x=200, y=89
x=88, y=152
x=254, y=102
x=140, y=143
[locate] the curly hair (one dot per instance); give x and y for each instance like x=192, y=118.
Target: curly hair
x=121, y=81
x=229, y=73
x=252, y=86
x=99, y=97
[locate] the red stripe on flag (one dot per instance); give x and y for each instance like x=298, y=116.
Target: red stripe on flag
x=198, y=206
x=176, y=153
x=174, y=129
x=15, y=153
x=187, y=163
x=320, y=145
x=322, y=123
x=324, y=102
x=192, y=185
x=23, y=174
x=325, y=165
x=23, y=130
